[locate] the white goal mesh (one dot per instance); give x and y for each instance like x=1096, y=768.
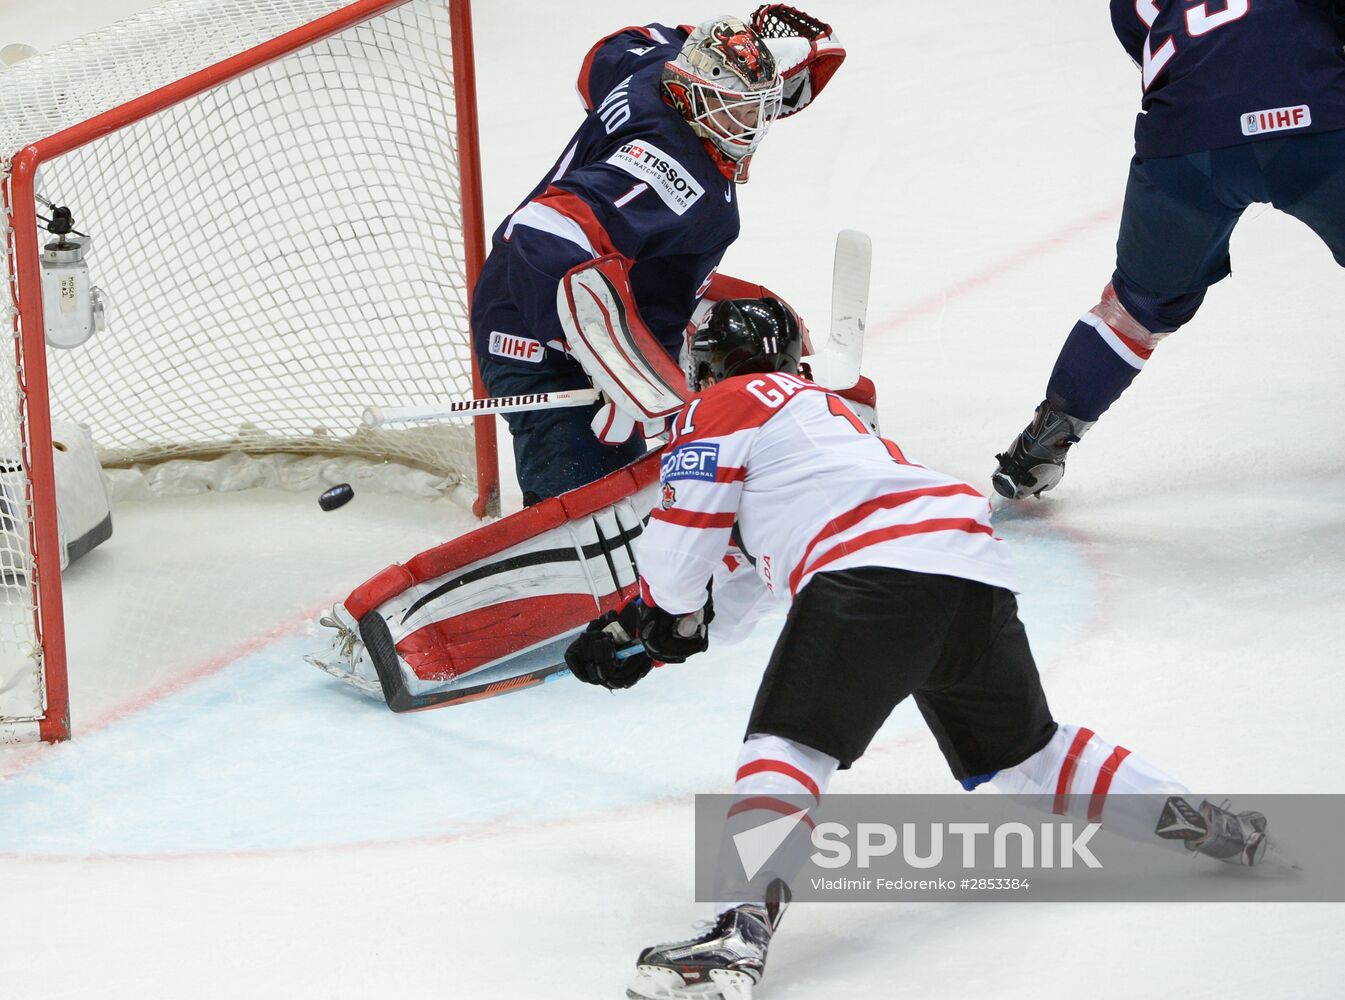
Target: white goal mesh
x=279, y=251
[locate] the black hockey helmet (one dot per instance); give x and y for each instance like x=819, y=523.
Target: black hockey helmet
x=743, y=337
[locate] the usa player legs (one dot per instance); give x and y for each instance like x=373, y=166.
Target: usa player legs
x=1242, y=103
x=1173, y=245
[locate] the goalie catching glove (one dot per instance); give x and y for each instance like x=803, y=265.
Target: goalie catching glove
x=805, y=50
x=619, y=648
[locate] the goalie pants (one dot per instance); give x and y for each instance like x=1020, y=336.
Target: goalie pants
x=554, y=450
x=858, y=642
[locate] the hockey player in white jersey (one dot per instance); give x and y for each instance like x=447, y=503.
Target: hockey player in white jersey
x=899, y=587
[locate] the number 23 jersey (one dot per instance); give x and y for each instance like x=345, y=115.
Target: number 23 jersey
x=1225, y=72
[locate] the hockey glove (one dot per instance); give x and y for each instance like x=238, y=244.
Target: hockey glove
x=607, y=652
x=806, y=51
x=673, y=638
x=614, y=426
x=639, y=381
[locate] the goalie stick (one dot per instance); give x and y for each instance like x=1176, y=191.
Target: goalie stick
x=375, y=416
x=836, y=366
x=399, y=698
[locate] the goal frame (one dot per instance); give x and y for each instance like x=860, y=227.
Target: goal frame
x=30, y=343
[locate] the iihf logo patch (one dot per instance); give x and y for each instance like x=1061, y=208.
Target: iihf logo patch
x=691, y=461
x=1276, y=119
x=506, y=345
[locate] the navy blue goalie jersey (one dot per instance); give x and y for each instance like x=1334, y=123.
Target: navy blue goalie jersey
x=1223, y=72
x=634, y=180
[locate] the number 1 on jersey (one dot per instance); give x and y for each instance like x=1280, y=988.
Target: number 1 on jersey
x=838, y=409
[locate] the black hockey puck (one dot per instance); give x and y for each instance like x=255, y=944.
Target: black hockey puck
x=338, y=496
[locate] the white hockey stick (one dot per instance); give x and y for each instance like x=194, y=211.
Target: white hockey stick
x=837, y=365
x=465, y=409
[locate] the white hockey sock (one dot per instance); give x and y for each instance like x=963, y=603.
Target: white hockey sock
x=768, y=767
x=1089, y=778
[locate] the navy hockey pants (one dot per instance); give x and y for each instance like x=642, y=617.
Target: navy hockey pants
x=554, y=450
x=1180, y=210
x=1179, y=214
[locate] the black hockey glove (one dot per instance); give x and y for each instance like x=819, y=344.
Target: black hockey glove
x=607, y=652
x=672, y=638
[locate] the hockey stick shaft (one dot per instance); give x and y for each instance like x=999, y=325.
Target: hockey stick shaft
x=455, y=409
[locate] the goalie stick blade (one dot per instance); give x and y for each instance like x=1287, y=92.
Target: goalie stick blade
x=837, y=366
x=378, y=641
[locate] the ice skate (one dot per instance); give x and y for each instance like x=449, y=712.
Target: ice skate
x=726, y=962
x=1035, y=462
x=1218, y=832
x=346, y=658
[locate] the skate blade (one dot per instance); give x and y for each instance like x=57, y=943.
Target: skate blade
x=342, y=673
x=1274, y=858
x=655, y=982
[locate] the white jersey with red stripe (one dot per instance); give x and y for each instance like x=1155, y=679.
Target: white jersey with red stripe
x=785, y=470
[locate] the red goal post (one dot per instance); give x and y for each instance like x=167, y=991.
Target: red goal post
x=380, y=44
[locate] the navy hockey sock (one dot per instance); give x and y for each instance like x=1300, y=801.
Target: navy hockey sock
x=1089, y=374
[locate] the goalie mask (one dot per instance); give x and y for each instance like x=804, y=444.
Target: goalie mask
x=744, y=337
x=726, y=85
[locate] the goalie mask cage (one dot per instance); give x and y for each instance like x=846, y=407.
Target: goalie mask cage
x=284, y=204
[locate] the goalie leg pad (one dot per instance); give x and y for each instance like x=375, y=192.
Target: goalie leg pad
x=492, y=610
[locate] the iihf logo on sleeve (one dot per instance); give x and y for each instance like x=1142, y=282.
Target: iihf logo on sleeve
x=506, y=345
x=691, y=461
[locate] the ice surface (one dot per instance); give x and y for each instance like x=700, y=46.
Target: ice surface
x=230, y=822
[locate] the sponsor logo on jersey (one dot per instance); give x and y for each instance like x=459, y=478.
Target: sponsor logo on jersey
x=669, y=179
x=1276, y=119
x=506, y=345
x=691, y=461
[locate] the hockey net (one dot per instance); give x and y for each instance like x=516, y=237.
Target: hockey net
x=284, y=207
